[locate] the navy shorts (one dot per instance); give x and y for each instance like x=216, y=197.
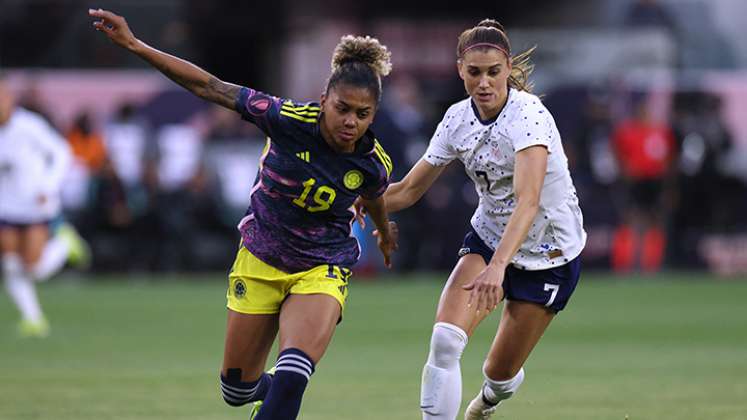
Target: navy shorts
x=15, y=225
x=551, y=288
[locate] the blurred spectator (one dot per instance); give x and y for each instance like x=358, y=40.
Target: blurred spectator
x=233, y=152
x=704, y=142
x=185, y=197
x=400, y=126
x=645, y=151
x=31, y=99
x=126, y=141
x=650, y=13
x=87, y=145
x=89, y=158
x=594, y=168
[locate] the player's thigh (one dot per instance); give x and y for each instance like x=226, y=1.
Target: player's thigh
x=521, y=327
x=34, y=238
x=307, y=322
x=10, y=239
x=249, y=338
x=452, y=307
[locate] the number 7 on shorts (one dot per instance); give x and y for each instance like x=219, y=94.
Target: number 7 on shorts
x=554, y=288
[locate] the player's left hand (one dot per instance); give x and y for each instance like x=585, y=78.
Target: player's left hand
x=388, y=242
x=486, y=290
x=114, y=26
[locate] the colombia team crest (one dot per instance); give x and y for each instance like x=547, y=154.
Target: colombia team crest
x=239, y=289
x=353, y=179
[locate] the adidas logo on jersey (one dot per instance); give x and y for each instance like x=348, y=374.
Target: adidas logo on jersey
x=304, y=156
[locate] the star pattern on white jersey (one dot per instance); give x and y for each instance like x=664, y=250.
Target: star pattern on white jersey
x=488, y=150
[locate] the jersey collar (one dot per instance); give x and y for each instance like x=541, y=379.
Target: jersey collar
x=491, y=120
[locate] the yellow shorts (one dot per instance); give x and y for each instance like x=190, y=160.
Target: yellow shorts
x=255, y=287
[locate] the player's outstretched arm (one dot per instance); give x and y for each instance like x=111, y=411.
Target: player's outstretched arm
x=188, y=75
x=405, y=193
x=408, y=191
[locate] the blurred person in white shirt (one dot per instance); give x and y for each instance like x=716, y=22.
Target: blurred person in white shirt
x=34, y=159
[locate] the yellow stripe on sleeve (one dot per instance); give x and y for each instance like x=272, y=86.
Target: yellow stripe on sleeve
x=383, y=157
x=302, y=118
x=306, y=110
x=290, y=106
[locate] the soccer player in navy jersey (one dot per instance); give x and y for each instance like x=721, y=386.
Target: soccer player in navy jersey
x=291, y=272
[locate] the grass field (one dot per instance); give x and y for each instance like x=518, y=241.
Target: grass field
x=669, y=348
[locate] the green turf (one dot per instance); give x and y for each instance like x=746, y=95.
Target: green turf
x=672, y=348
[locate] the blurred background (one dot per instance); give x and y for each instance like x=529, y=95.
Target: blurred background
x=649, y=97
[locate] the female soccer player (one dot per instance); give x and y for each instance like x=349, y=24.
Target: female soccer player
x=33, y=162
x=291, y=272
x=526, y=233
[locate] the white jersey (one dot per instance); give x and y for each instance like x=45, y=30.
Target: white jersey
x=33, y=161
x=488, y=150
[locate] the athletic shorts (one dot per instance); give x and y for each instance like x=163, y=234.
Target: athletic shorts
x=551, y=288
x=255, y=287
x=25, y=225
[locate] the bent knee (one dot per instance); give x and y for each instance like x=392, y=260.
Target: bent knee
x=447, y=344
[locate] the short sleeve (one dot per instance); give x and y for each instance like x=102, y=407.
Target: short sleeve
x=534, y=126
x=440, y=152
x=259, y=108
x=376, y=187
x=378, y=181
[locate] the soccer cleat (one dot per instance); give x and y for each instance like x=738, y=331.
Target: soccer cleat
x=30, y=329
x=79, y=254
x=256, y=405
x=479, y=409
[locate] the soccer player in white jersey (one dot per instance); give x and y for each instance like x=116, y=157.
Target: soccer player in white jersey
x=527, y=231
x=33, y=162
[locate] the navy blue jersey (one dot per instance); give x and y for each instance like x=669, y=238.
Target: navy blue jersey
x=300, y=213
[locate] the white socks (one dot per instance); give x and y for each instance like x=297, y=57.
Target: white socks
x=20, y=288
x=53, y=258
x=497, y=391
x=441, y=389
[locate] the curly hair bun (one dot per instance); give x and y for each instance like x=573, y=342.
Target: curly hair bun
x=364, y=49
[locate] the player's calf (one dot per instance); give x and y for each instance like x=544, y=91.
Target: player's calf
x=292, y=372
x=237, y=393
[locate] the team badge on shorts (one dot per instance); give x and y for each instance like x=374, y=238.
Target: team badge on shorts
x=239, y=289
x=353, y=179
x=463, y=251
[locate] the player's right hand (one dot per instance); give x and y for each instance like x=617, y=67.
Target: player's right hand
x=388, y=242
x=360, y=212
x=114, y=26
